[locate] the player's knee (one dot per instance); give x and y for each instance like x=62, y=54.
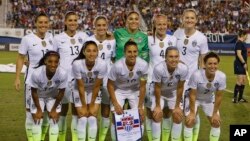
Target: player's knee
x=189, y=125
x=157, y=118
x=215, y=125
x=177, y=120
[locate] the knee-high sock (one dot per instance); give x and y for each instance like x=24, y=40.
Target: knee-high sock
x=73, y=128
x=45, y=125
x=214, y=134
x=166, y=128
x=242, y=87
x=112, y=130
x=104, y=128
x=53, y=130
x=142, y=130
x=156, y=131
x=188, y=134
x=28, y=126
x=81, y=128
x=236, y=90
x=148, y=124
x=37, y=130
x=62, y=124
x=176, y=131
x=196, y=128
x=92, y=128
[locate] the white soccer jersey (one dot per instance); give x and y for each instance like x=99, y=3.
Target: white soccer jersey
x=48, y=88
x=106, y=52
x=69, y=48
x=157, y=50
x=35, y=48
x=190, y=48
x=126, y=81
x=80, y=71
x=205, y=89
x=169, y=82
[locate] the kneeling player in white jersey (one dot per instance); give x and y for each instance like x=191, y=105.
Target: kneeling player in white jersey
x=106, y=46
x=157, y=43
x=207, y=87
x=169, y=77
x=89, y=71
x=48, y=83
x=127, y=80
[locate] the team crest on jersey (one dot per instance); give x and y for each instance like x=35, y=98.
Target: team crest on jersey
x=49, y=83
x=109, y=46
x=139, y=39
x=89, y=74
x=96, y=72
x=170, y=43
x=161, y=44
x=177, y=76
x=186, y=41
x=131, y=74
x=194, y=43
x=100, y=46
x=44, y=43
x=216, y=85
x=57, y=81
x=139, y=73
x=72, y=41
x=209, y=85
x=80, y=40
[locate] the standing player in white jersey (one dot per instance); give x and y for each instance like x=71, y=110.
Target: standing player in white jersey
x=89, y=71
x=68, y=44
x=106, y=46
x=192, y=45
x=158, y=43
x=207, y=87
x=169, y=77
x=127, y=80
x=48, y=83
x=34, y=46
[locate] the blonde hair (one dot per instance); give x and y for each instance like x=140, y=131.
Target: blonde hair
x=154, y=20
x=190, y=10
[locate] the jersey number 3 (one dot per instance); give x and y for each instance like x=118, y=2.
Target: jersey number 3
x=184, y=51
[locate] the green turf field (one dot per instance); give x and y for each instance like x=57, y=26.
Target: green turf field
x=12, y=112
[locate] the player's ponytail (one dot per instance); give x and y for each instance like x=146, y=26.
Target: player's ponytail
x=47, y=54
x=85, y=45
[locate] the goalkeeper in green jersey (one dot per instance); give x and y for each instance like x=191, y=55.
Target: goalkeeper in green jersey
x=131, y=32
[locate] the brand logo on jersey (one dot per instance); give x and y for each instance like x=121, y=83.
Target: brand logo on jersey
x=216, y=85
x=109, y=46
x=194, y=43
x=80, y=40
x=170, y=43
x=34, y=44
x=152, y=44
x=50, y=42
x=96, y=72
x=44, y=43
x=177, y=76
x=127, y=123
x=62, y=42
x=89, y=74
x=72, y=41
x=139, y=39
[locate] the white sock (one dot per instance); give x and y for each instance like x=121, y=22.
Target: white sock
x=188, y=134
x=112, y=130
x=92, y=128
x=81, y=128
x=214, y=134
x=62, y=124
x=156, y=131
x=73, y=128
x=142, y=129
x=45, y=125
x=53, y=130
x=148, y=124
x=28, y=125
x=105, y=123
x=176, y=131
x=37, y=131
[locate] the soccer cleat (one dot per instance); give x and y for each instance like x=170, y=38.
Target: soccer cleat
x=242, y=100
x=234, y=100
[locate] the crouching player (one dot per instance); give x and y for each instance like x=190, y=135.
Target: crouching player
x=48, y=83
x=203, y=84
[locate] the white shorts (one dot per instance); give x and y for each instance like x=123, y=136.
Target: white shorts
x=207, y=107
x=105, y=96
x=28, y=97
x=67, y=98
x=133, y=99
x=48, y=102
x=88, y=97
x=164, y=102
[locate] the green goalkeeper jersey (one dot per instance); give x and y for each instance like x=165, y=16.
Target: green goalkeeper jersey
x=122, y=36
